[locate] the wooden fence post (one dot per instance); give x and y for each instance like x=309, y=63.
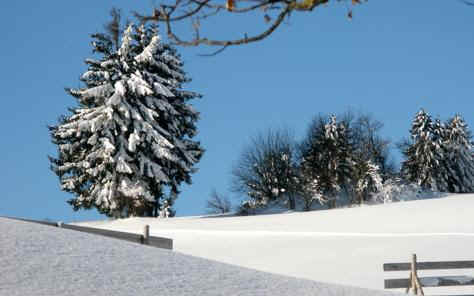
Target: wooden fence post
x=413, y=274
x=414, y=281
x=146, y=234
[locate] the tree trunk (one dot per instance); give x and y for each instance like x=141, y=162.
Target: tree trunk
x=307, y=203
x=156, y=207
x=148, y=210
x=292, y=203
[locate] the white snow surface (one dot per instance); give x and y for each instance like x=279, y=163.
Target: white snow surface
x=43, y=260
x=344, y=246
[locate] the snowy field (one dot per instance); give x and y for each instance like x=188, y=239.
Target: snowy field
x=343, y=246
x=37, y=260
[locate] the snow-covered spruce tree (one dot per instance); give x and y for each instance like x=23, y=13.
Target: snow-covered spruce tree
x=439, y=139
x=127, y=146
x=362, y=157
x=326, y=160
x=309, y=165
x=423, y=152
x=458, y=158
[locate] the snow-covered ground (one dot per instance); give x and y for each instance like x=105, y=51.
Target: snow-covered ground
x=37, y=260
x=344, y=246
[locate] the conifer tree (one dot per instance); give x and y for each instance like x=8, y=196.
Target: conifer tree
x=439, y=141
x=127, y=146
x=439, y=156
x=309, y=164
x=459, y=161
x=326, y=160
x=422, y=154
x=351, y=148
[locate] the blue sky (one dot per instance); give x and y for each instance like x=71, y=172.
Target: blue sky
x=393, y=58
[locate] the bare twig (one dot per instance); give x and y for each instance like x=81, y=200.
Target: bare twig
x=198, y=10
x=157, y=15
x=213, y=53
x=226, y=43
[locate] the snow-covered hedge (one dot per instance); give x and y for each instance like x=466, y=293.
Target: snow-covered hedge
x=395, y=189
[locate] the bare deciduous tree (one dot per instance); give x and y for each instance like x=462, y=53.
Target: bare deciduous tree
x=369, y=144
x=218, y=204
x=266, y=170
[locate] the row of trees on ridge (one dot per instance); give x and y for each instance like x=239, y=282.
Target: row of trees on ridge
x=344, y=160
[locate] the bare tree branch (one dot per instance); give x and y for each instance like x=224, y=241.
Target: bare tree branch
x=214, y=53
x=226, y=43
x=199, y=10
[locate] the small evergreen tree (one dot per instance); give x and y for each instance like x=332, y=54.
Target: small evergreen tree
x=366, y=180
x=458, y=160
x=128, y=142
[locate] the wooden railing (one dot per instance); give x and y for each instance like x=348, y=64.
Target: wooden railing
x=418, y=283
x=145, y=238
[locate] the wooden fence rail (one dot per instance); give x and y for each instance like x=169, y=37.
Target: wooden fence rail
x=145, y=238
x=417, y=283
x=429, y=265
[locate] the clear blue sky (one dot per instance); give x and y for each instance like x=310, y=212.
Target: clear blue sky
x=391, y=59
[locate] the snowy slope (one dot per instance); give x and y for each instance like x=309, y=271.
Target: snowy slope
x=344, y=246
x=42, y=260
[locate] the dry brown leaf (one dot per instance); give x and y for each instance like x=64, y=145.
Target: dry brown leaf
x=230, y=5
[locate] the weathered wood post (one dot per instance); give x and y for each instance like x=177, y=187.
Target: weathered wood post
x=413, y=274
x=146, y=234
x=414, y=281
